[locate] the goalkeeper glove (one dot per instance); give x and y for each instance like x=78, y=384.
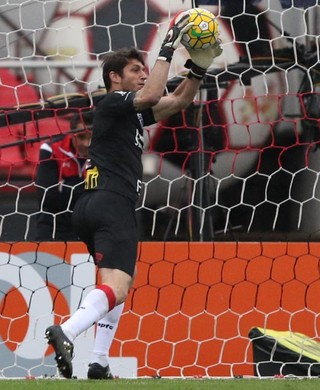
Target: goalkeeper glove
x=201, y=59
x=178, y=26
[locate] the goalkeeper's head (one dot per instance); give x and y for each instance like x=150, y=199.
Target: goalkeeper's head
x=116, y=61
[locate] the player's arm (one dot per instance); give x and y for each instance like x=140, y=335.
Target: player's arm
x=154, y=87
x=184, y=94
x=180, y=99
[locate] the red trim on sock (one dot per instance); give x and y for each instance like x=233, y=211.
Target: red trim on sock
x=109, y=293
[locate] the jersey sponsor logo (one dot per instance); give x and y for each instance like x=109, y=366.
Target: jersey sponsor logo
x=91, y=180
x=139, y=186
x=140, y=118
x=139, y=140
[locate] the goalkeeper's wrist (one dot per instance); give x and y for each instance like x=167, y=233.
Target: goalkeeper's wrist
x=195, y=71
x=166, y=53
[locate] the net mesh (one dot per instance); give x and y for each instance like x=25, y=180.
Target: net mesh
x=235, y=164
x=191, y=312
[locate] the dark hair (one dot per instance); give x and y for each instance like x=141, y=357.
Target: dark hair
x=117, y=60
x=84, y=117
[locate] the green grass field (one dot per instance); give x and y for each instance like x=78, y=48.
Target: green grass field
x=163, y=384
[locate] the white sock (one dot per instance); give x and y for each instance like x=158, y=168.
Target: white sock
x=105, y=331
x=94, y=307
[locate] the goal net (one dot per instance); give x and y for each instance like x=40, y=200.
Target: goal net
x=240, y=164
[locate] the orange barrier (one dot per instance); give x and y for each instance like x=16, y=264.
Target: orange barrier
x=193, y=304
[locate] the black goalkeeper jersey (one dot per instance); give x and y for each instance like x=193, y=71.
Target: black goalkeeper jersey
x=116, y=145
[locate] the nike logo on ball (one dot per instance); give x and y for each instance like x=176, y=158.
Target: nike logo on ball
x=199, y=35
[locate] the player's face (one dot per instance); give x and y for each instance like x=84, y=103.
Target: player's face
x=133, y=76
x=81, y=143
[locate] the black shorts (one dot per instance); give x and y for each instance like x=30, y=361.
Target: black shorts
x=106, y=222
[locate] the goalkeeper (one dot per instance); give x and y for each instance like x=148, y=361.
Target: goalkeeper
x=104, y=216
x=60, y=182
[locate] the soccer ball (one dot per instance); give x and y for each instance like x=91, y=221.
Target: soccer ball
x=204, y=31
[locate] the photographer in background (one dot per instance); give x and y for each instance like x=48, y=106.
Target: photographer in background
x=59, y=180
